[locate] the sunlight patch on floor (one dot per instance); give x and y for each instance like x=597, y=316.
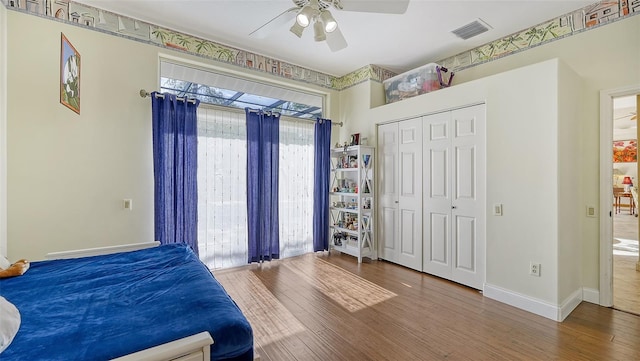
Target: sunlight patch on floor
x=625, y=247
x=350, y=291
x=270, y=320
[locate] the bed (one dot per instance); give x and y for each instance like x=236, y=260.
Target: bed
x=158, y=303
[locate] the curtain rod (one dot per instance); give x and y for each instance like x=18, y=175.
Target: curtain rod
x=144, y=94
x=297, y=119
x=269, y=112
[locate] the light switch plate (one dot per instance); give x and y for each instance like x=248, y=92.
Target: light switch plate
x=497, y=209
x=127, y=204
x=591, y=211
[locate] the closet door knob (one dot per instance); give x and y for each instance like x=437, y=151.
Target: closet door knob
x=453, y=207
x=396, y=202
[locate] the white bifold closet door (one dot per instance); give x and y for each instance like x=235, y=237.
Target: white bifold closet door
x=454, y=195
x=400, y=187
x=388, y=192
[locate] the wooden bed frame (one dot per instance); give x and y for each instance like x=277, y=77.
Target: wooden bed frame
x=191, y=348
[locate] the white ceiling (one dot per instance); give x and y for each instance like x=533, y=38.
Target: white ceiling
x=624, y=108
x=397, y=42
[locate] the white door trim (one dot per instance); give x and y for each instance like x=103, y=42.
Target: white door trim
x=606, y=185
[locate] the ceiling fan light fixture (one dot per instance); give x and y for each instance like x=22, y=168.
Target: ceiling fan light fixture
x=305, y=15
x=318, y=31
x=329, y=22
x=297, y=29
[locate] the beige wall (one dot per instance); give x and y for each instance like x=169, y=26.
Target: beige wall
x=570, y=205
x=68, y=173
x=3, y=130
x=605, y=58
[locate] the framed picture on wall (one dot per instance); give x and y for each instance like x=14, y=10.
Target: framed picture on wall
x=625, y=151
x=69, y=75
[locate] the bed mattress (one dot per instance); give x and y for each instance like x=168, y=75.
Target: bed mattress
x=102, y=307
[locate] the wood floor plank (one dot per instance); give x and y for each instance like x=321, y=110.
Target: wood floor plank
x=329, y=307
x=626, y=279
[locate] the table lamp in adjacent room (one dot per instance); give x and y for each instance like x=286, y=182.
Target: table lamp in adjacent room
x=627, y=184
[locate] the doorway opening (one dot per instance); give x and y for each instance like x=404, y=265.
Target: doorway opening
x=624, y=246
x=626, y=279
x=608, y=202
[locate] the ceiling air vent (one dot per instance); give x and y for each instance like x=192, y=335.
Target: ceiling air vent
x=472, y=29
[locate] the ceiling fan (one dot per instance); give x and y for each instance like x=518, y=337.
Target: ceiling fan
x=633, y=115
x=325, y=27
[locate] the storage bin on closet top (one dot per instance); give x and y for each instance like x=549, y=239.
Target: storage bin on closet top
x=414, y=82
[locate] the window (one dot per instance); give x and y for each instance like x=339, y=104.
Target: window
x=222, y=196
x=226, y=90
x=222, y=159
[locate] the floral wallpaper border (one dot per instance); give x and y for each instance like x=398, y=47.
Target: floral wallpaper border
x=119, y=25
x=591, y=16
x=575, y=22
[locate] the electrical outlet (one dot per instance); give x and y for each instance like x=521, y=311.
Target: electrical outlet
x=534, y=269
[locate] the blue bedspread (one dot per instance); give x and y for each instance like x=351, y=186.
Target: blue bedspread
x=98, y=308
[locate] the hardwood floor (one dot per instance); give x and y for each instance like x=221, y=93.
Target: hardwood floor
x=328, y=307
x=626, y=280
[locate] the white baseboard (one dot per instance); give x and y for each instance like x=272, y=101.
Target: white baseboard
x=524, y=302
x=569, y=304
x=102, y=250
x=534, y=305
x=591, y=295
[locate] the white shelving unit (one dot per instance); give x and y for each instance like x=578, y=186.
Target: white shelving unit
x=351, y=201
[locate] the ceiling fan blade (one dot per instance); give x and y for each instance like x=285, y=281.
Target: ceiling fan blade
x=272, y=25
x=376, y=6
x=336, y=40
x=633, y=116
